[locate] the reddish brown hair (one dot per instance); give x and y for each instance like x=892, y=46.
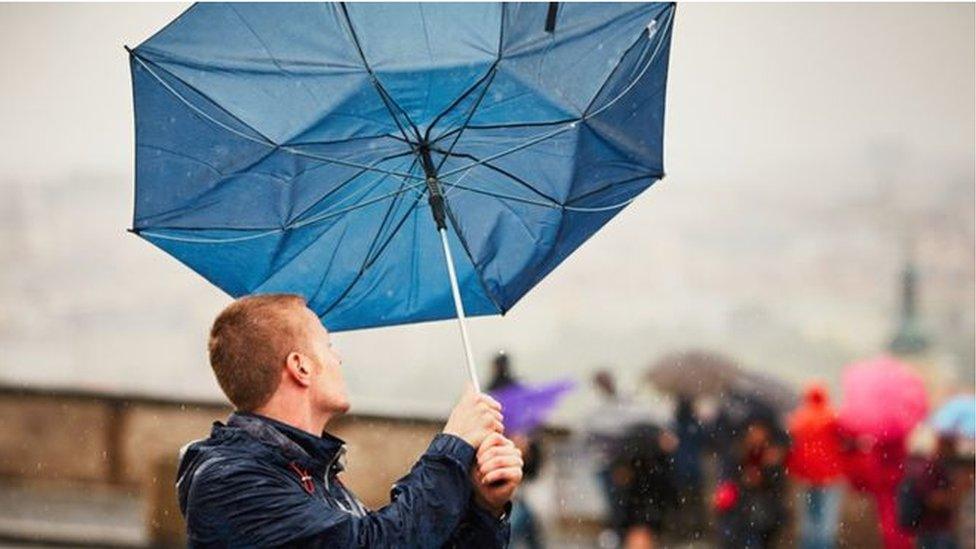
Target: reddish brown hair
x=249, y=342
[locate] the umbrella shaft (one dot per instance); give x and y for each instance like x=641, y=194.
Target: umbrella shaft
x=459, y=307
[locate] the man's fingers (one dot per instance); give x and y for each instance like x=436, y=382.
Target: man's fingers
x=491, y=402
x=500, y=462
x=493, y=414
x=499, y=446
x=507, y=474
x=485, y=408
x=492, y=440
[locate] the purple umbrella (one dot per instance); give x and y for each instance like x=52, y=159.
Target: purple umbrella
x=526, y=407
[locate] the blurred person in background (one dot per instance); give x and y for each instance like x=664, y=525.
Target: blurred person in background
x=687, y=469
x=270, y=476
x=604, y=428
x=525, y=528
x=749, y=499
x=877, y=467
x=814, y=461
x=525, y=531
x=501, y=373
x=643, y=477
x=930, y=495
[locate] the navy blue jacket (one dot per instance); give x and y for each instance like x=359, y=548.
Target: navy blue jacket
x=257, y=482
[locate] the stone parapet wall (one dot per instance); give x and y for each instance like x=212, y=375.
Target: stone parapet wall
x=50, y=436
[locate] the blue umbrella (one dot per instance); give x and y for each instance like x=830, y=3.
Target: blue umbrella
x=957, y=416
x=345, y=152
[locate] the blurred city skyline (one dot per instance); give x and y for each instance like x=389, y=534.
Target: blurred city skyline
x=811, y=149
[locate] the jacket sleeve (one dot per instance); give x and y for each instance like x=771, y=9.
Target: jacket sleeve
x=479, y=530
x=254, y=504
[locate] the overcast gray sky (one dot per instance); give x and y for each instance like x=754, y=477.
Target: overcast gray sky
x=803, y=142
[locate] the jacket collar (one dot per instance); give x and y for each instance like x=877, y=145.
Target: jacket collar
x=324, y=453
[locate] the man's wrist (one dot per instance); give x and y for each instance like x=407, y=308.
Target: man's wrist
x=497, y=512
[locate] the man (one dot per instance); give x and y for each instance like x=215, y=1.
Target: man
x=269, y=477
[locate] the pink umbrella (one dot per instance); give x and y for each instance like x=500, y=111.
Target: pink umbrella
x=883, y=398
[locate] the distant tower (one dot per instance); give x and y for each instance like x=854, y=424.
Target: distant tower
x=912, y=344
x=909, y=339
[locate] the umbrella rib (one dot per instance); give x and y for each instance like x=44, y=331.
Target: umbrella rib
x=367, y=263
x=650, y=61
x=488, y=73
x=393, y=233
x=371, y=201
x=610, y=185
x=616, y=67
x=340, y=162
x=400, y=191
x=317, y=219
x=266, y=141
x=346, y=182
x=389, y=211
x=514, y=149
x=474, y=108
x=470, y=256
x=345, y=140
x=508, y=126
x=553, y=205
x=572, y=125
x=502, y=171
x=267, y=50
x=380, y=89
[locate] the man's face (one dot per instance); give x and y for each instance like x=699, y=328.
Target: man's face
x=328, y=385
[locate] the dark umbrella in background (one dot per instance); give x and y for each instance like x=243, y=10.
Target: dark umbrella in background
x=693, y=373
x=350, y=152
x=772, y=392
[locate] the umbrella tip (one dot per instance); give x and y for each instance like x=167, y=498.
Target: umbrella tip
x=127, y=48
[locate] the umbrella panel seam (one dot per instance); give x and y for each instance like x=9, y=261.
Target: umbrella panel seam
x=268, y=142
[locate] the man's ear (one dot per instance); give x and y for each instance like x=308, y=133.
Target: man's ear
x=299, y=369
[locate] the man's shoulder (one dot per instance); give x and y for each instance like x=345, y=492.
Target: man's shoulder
x=221, y=462
x=224, y=461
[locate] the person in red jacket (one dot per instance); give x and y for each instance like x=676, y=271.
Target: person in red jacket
x=815, y=462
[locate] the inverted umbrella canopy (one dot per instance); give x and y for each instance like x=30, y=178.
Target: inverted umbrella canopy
x=303, y=148
x=883, y=398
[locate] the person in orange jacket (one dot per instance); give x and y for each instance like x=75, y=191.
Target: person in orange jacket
x=815, y=462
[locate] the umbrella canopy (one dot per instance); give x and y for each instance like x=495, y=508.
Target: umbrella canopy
x=883, y=398
x=956, y=417
x=526, y=407
x=773, y=392
x=693, y=373
x=295, y=148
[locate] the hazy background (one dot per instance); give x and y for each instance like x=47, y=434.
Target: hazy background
x=809, y=148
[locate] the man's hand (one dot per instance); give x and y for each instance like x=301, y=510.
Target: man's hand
x=496, y=474
x=474, y=417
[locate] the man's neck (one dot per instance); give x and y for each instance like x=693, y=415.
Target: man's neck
x=300, y=418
